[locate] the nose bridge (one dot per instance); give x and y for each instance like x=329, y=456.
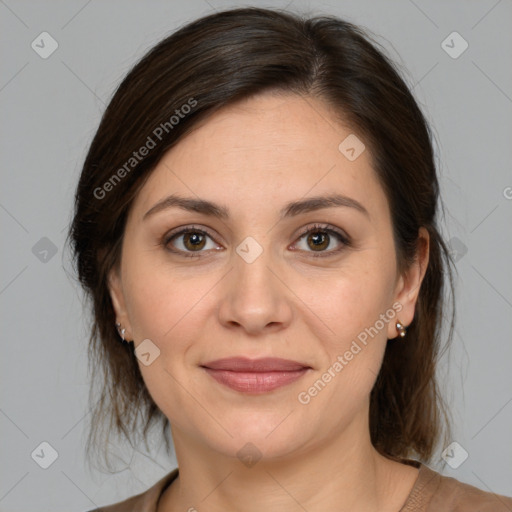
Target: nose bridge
x=252, y=276
x=255, y=297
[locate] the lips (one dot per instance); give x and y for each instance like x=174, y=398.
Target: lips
x=243, y=364
x=255, y=376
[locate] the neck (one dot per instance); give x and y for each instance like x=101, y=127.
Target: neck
x=337, y=474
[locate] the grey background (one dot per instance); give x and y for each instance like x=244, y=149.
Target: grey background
x=50, y=111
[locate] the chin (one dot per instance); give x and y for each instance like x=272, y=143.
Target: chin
x=264, y=436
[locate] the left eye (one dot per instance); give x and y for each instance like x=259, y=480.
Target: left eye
x=319, y=238
x=194, y=240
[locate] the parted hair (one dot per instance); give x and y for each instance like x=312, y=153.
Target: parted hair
x=213, y=62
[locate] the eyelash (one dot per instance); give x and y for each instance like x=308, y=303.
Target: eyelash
x=168, y=237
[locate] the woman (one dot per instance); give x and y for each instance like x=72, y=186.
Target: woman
x=256, y=222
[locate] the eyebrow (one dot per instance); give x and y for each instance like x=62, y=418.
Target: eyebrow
x=291, y=209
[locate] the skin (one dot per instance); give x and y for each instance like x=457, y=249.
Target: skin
x=253, y=157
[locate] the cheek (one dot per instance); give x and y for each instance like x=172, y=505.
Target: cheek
x=348, y=300
x=352, y=353
x=169, y=306
x=162, y=308
x=350, y=307
x=159, y=298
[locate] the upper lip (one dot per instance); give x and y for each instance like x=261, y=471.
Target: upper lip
x=244, y=364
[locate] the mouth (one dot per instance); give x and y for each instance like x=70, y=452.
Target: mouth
x=255, y=376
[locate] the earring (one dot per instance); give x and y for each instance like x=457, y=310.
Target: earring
x=401, y=329
x=121, y=332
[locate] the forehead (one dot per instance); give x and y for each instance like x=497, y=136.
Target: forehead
x=262, y=152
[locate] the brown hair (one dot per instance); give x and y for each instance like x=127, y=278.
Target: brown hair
x=211, y=63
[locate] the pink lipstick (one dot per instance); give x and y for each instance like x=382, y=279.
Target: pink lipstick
x=255, y=375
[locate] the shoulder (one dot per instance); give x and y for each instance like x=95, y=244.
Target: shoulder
x=143, y=502
x=434, y=492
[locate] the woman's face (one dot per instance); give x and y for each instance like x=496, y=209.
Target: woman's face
x=266, y=280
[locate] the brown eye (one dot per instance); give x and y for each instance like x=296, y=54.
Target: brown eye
x=194, y=240
x=188, y=241
x=318, y=238
x=191, y=241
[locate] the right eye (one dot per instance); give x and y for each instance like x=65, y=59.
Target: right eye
x=191, y=239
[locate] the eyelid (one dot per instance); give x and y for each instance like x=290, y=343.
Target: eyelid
x=328, y=228
x=324, y=227
x=181, y=230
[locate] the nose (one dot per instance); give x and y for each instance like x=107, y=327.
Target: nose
x=255, y=297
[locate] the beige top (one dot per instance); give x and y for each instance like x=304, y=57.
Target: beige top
x=431, y=492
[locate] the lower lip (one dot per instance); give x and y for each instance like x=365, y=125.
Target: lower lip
x=255, y=382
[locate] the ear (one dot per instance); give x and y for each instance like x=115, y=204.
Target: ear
x=408, y=285
x=118, y=301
